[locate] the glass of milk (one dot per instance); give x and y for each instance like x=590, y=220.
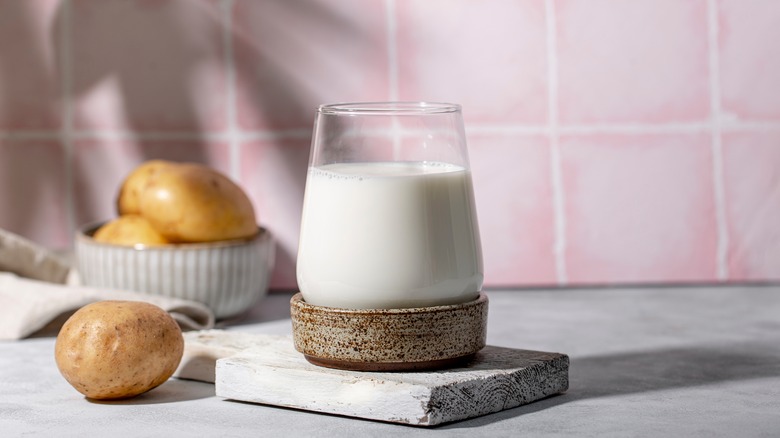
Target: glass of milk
x=388, y=216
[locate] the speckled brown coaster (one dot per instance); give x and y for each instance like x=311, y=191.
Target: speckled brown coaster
x=422, y=338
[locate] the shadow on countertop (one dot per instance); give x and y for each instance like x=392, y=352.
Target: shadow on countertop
x=646, y=371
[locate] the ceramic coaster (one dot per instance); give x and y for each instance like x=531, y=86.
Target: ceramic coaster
x=422, y=338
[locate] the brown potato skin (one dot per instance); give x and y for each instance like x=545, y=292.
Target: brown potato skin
x=129, y=230
x=128, y=199
x=118, y=349
x=189, y=202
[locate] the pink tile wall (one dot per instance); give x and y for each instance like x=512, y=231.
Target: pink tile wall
x=515, y=207
x=635, y=215
x=141, y=65
x=465, y=52
x=274, y=172
x=33, y=190
x=611, y=142
x=292, y=56
x=29, y=87
x=750, y=58
x=641, y=61
x=752, y=188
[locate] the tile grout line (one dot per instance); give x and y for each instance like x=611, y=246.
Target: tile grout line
x=635, y=128
x=392, y=67
x=595, y=129
x=392, y=50
x=67, y=115
x=717, y=143
x=559, y=212
x=157, y=135
x=32, y=135
x=230, y=78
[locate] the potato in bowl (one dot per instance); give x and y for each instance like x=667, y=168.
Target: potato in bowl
x=182, y=230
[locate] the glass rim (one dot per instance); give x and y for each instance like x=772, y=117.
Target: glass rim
x=388, y=108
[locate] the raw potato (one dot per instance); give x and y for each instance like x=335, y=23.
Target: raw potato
x=129, y=230
x=118, y=349
x=129, y=193
x=189, y=202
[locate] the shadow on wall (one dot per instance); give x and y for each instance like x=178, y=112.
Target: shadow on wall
x=144, y=61
x=157, y=69
x=277, y=91
x=25, y=108
x=279, y=62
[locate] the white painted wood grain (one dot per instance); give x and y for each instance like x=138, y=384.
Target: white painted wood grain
x=203, y=348
x=498, y=379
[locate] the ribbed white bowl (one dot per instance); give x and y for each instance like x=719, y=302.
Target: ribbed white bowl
x=227, y=276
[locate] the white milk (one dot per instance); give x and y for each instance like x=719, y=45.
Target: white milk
x=389, y=235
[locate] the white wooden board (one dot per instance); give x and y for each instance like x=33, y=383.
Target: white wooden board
x=499, y=378
x=203, y=348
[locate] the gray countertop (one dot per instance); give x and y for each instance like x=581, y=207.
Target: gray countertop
x=673, y=361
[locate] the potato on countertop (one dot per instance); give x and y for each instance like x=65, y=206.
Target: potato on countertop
x=118, y=349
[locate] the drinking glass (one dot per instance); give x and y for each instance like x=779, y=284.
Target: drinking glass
x=389, y=219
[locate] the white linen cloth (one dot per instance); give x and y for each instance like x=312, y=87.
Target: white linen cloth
x=38, y=289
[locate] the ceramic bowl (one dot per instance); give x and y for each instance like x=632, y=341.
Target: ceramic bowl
x=228, y=277
x=413, y=339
